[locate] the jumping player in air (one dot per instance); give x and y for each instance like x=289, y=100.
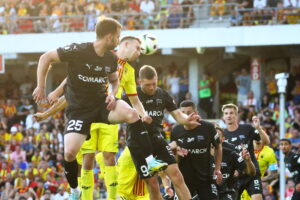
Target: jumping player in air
x=155, y=101
x=104, y=137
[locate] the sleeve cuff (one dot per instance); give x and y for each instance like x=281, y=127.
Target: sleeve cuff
x=131, y=94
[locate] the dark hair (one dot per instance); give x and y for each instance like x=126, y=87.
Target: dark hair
x=286, y=140
x=106, y=26
x=297, y=110
x=130, y=38
x=187, y=103
x=147, y=72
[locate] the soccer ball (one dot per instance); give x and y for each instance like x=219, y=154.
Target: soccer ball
x=148, y=44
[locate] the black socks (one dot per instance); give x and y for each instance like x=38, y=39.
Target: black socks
x=138, y=135
x=71, y=170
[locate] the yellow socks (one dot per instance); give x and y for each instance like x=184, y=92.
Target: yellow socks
x=109, y=173
x=110, y=178
x=87, y=184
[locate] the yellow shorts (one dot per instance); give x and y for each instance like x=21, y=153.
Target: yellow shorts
x=245, y=195
x=130, y=185
x=104, y=137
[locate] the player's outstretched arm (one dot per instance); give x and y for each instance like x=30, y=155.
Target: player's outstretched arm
x=58, y=106
x=263, y=135
x=54, y=95
x=184, y=119
x=250, y=168
x=137, y=104
x=43, y=67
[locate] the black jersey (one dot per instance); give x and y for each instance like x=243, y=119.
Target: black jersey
x=87, y=74
x=196, y=167
x=156, y=104
x=244, y=134
x=292, y=162
x=231, y=161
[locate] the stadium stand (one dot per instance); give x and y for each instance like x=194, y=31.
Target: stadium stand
x=74, y=16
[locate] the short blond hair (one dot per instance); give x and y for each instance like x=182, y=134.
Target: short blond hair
x=230, y=105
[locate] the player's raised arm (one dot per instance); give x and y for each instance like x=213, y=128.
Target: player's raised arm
x=263, y=135
x=58, y=106
x=42, y=70
x=54, y=95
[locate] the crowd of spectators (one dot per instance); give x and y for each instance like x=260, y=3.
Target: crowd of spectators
x=266, y=13
x=41, y=16
x=31, y=153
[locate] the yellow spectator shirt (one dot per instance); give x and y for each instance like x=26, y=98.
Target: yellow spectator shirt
x=18, y=136
x=44, y=172
x=35, y=160
x=6, y=137
x=33, y=172
x=38, y=137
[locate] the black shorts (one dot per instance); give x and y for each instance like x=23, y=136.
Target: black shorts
x=80, y=119
x=205, y=190
x=296, y=195
x=161, y=150
x=230, y=195
x=252, y=184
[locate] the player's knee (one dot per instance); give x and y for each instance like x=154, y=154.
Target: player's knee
x=109, y=158
x=70, y=154
x=151, y=183
x=131, y=115
x=88, y=161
